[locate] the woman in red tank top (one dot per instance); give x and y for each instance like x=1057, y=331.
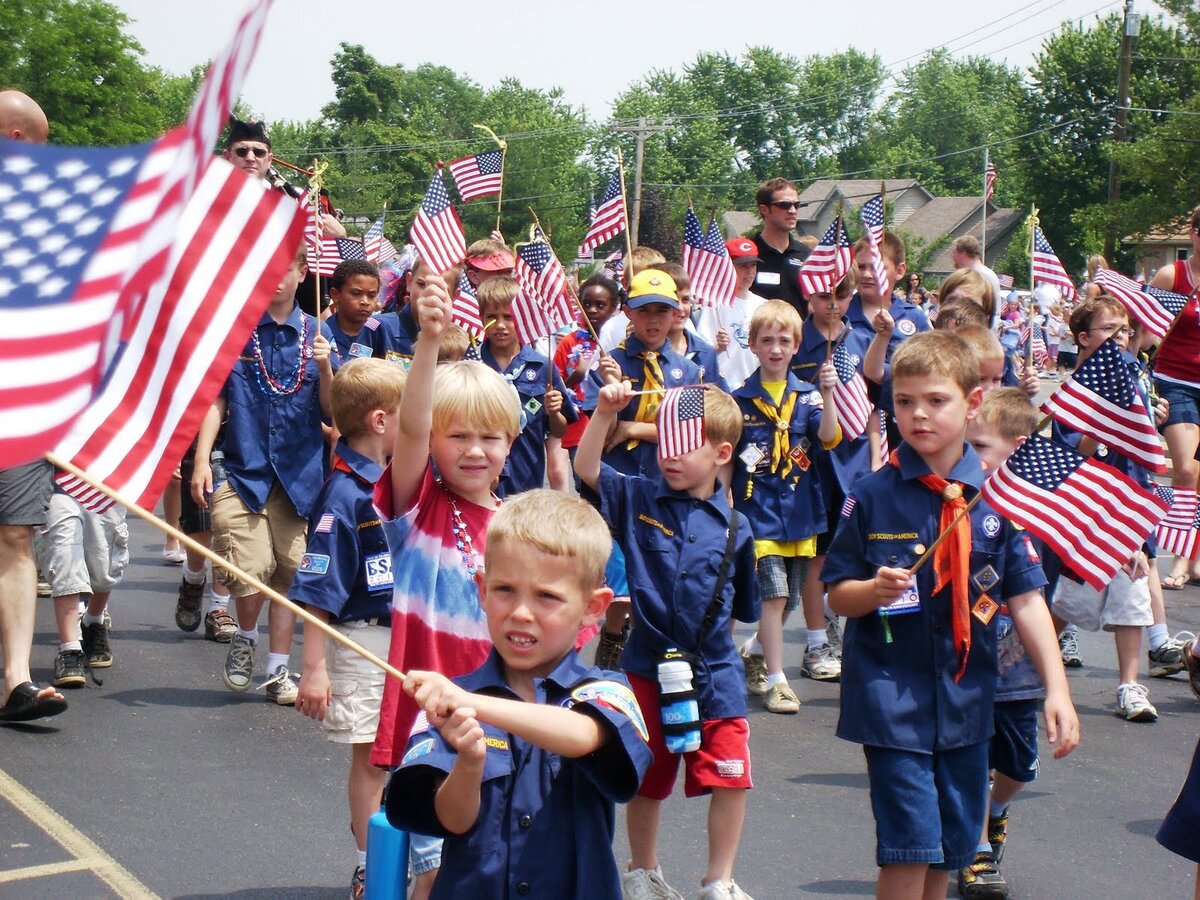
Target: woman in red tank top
x=1177, y=377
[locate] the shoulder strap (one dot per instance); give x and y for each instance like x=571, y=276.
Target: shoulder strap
x=717, y=601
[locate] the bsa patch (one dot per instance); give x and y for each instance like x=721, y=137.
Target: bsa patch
x=906, y=327
x=677, y=373
x=986, y=578
x=531, y=375
x=419, y=749
x=985, y=607
x=991, y=525
x=615, y=696
x=314, y=564
x=855, y=359
x=533, y=406
x=495, y=743
x=308, y=352
x=379, y=570
x=358, y=350
x=800, y=458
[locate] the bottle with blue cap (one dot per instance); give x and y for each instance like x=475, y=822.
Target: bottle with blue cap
x=677, y=699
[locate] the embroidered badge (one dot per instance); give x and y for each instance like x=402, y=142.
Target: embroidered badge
x=314, y=564
x=752, y=456
x=531, y=375
x=324, y=524
x=379, y=570
x=991, y=525
x=677, y=374
x=533, y=405
x=615, y=696
x=358, y=350
x=986, y=578
x=1030, y=550
x=906, y=327
x=908, y=602
x=800, y=458
x=419, y=749
x=985, y=607
x=371, y=324
x=848, y=507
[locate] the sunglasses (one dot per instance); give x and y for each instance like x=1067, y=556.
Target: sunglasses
x=786, y=205
x=243, y=152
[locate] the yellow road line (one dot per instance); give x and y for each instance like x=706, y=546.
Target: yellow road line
x=58, y=868
x=73, y=840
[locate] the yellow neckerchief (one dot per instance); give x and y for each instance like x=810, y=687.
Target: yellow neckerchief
x=781, y=417
x=653, y=383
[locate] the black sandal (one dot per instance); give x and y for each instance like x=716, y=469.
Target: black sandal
x=25, y=705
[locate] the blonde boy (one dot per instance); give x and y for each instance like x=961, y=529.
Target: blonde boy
x=578, y=731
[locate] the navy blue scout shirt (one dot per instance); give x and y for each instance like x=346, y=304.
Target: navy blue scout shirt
x=525, y=468
x=902, y=695
x=272, y=434
x=779, y=508
x=840, y=467
x=673, y=545
x=373, y=339
x=677, y=371
x=909, y=319
x=704, y=355
x=402, y=333
x=545, y=825
x=346, y=569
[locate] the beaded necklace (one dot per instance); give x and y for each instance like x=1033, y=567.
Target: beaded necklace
x=266, y=383
x=462, y=536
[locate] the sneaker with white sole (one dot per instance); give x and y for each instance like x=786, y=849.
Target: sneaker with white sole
x=1168, y=658
x=720, y=890
x=756, y=673
x=280, y=688
x=1068, y=645
x=822, y=663
x=239, y=664
x=219, y=625
x=647, y=884
x=1133, y=704
x=781, y=699
x=833, y=628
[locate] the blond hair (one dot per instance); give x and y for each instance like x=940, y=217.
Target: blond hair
x=775, y=312
x=982, y=341
x=1008, y=412
x=495, y=294
x=470, y=393
x=554, y=524
x=487, y=247
x=362, y=386
x=722, y=416
x=941, y=353
x=644, y=258
x=972, y=283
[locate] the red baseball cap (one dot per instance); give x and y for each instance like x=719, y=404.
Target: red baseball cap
x=742, y=251
x=493, y=262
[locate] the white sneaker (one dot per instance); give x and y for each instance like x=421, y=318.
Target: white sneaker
x=781, y=699
x=1133, y=704
x=822, y=663
x=280, y=688
x=647, y=884
x=719, y=890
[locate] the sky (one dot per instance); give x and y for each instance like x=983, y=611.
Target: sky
x=592, y=54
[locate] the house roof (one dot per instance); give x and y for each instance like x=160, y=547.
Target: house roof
x=941, y=215
x=736, y=223
x=855, y=191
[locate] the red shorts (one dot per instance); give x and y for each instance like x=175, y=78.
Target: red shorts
x=723, y=760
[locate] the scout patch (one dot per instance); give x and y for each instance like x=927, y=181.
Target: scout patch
x=677, y=374
x=800, y=458
x=985, y=607
x=314, y=564
x=533, y=405
x=991, y=525
x=531, y=375
x=615, y=696
x=752, y=456
x=324, y=524
x=419, y=749
x=906, y=327
x=379, y=570
x=1030, y=551
x=985, y=579
x=358, y=350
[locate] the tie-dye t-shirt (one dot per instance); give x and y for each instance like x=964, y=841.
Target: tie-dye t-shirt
x=437, y=622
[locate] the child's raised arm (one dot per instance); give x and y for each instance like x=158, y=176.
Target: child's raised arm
x=411, y=456
x=613, y=398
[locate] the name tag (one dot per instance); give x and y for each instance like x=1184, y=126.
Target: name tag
x=379, y=570
x=908, y=602
x=357, y=350
x=767, y=277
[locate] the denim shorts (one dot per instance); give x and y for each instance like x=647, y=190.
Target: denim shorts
x=1014, y=750
x=424, y=853
x=928, y=807
x=1184, y=400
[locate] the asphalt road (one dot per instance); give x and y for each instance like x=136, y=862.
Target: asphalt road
x=165, y=783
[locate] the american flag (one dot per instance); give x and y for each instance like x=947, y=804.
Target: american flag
x=1101, y=400
x=707, y=262
x=436, y=230
x=529, y=318
x=86, y=233
x=1046, y=267
x=1033, y=335
x=884, y=448
x=680, y=421
x=872, y=218
x=373, y=240
x=828, y=263
x=478, y=176
x=1094, y=517
x=614, y=263
x=333, y=251
x=989, y=181
x=465, y=307
x=324, y=524
x=1155, y=308
x=541, y=276
x=609, y=218
x=1176, y=534
x=1006, y=281
x=850, y=394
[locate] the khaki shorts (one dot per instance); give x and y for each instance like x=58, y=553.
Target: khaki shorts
x=355, y=683
x=267, y=545
x=1123, y=602
x=81, y=552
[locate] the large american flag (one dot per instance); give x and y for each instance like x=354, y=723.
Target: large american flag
x=707, y=262
x=1046, y=267
x=680, y=421
x=465, y=307
x=828, y=263
x=989, y=181
x=872, y=218
x=609, y=218
x=85, y=234
x=850, y=394
x=1155, y=308
x=1094, y=517
x=1101, y=400
x=436, y=229
x=541, y=276
x=1176, y=533
x=479, y=175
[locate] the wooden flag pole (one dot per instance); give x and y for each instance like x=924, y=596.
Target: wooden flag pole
x=191, y=544
x=503, y=145
x=625, y=213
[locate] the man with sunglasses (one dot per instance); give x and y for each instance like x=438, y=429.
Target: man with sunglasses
x=780, y=254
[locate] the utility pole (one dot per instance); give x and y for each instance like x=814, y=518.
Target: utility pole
x=1120, y=121
x=643, y=130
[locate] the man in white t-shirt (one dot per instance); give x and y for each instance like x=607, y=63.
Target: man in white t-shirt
x=728, y=327
x=967, y=254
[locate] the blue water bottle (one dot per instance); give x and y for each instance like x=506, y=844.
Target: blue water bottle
x=677, y=698
x=387, y=860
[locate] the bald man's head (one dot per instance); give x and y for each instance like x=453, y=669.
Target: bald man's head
x=21, y=119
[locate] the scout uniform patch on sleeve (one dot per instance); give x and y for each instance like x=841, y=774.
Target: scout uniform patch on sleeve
x=615, y=696
x=314, y=564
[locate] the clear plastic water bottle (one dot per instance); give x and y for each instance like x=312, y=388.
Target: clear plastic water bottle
x=680, y=711
x=219, y=475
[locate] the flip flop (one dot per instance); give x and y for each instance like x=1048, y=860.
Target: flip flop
x=24, y=704
x=1174, y=582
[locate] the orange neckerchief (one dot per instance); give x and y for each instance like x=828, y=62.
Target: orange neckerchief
x=952, y=558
